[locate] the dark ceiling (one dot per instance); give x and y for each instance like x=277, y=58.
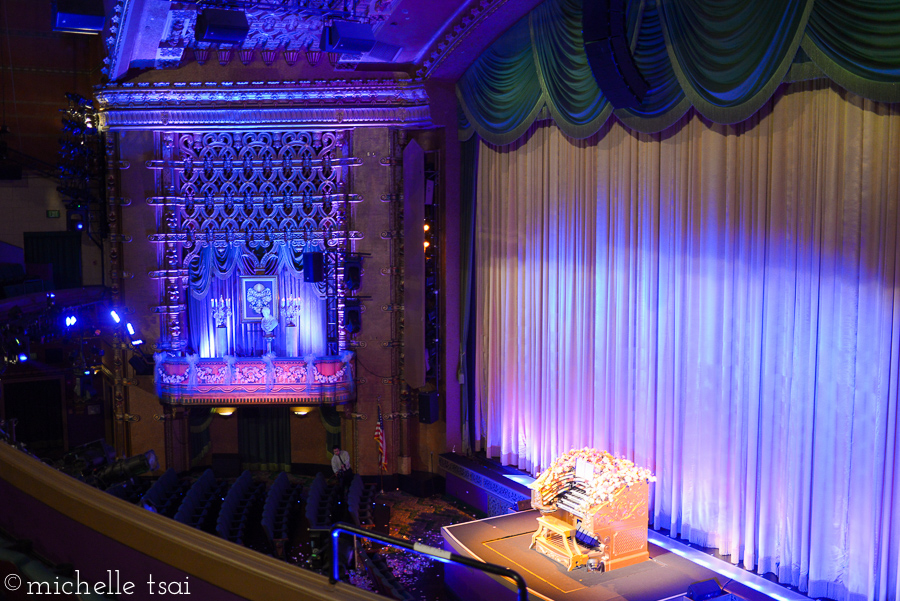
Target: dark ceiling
x=153, y=40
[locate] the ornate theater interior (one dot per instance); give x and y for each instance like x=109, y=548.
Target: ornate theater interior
x=621, y=280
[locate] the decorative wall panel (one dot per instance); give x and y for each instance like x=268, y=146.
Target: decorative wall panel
x=255, y=200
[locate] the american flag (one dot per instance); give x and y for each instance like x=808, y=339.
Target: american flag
x=379, y=439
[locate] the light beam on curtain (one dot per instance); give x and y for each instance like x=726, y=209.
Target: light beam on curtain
x=720, y=304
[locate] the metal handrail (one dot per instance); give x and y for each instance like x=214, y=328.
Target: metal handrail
x=434, y=552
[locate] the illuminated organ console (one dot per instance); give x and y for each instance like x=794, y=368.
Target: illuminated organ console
x=594, y=511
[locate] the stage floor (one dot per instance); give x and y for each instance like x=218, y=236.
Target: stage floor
x=504, y=540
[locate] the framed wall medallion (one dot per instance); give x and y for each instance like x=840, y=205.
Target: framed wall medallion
x=258, y=293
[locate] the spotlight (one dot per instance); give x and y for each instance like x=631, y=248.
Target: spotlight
x=130, y=328
x=300, y=411
x=70, y=320
x=23, y=357
x=225, y=411
x=137, y=342
x=115, y=316
x=126, y=468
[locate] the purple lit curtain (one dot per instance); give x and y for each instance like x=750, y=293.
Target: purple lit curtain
x=721, y=304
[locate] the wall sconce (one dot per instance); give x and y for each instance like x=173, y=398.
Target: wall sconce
x=225, y=411
x=300, y=411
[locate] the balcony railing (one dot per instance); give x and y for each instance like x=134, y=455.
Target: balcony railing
x=256, y=380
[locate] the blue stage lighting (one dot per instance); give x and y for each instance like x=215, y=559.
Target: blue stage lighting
x=137, y=342
x=115, y=316
x=23, y=357
x=70, y=320
x=130, y=328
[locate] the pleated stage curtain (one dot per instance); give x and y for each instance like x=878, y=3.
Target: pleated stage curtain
x=199, y=419
x=264, y=438
x=724, y=58
x=720, y=304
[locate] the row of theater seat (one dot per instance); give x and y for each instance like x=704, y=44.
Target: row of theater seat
x=166, y=494
x=228, y=511
x=321, y=503
x=197, y=507
x=281, y=501
x=383, y=578
x=213, y=506
x=360, y=499
x=236, y=507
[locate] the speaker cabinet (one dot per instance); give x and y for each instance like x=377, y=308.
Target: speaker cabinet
x=78, y=16
x=609, y=55
x=347, y=37
x=352, y=317
x=429, y=409
x=313, y=267
x=221, y=26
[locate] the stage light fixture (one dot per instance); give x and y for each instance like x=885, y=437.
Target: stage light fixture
x=23, y=357
x=115, y=316
x=300, y=411
x=130, y=328
x=70, y=320
x=137, y=342
x=225, y=411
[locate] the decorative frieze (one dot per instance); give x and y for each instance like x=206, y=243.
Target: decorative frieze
x=255, y=380
x=263, y=105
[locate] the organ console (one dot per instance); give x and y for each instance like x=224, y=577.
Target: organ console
x=594, y=511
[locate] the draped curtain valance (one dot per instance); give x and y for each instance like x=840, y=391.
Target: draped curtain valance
x=724, y=58
x=224, y=262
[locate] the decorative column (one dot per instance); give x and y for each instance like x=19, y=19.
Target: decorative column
x=173, y=278
x=116, y=238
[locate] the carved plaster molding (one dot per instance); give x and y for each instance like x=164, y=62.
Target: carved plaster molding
x=230, y=119
x=265, y=105
x=461, y=30
x=115, y=36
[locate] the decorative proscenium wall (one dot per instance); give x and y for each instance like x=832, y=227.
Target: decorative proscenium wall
x=268, y=169
x=257, y=199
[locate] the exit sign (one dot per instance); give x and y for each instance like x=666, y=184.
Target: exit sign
x=53, y=214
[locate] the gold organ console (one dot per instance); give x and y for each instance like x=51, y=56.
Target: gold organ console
x=594, y=511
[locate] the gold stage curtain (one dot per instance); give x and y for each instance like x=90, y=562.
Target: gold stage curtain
x=721, y=304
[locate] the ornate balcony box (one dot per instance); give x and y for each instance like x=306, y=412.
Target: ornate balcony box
x=270, y=380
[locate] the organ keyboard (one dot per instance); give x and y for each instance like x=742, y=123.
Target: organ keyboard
x=594, y=511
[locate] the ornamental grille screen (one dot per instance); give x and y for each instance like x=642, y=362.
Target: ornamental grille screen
x=629, y=541
x=259, y=193
x=263, y=190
